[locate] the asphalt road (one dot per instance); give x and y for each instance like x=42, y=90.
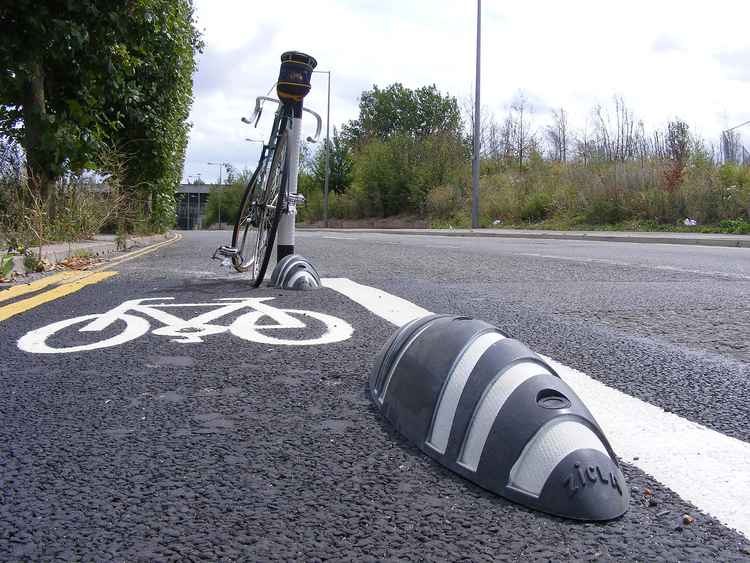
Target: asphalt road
x=227, y=447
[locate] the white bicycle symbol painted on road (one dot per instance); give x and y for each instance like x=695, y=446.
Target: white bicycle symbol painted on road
x=247, y=326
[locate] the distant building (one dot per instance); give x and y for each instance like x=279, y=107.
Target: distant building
x=191, y=204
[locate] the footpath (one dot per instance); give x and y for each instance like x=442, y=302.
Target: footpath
x=101, y=246
x=700, y=239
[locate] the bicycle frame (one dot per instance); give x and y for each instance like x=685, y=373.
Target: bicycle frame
x=286, y=234
x=272, y=218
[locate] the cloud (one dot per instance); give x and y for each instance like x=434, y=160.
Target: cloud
x=570, y=55
x=737, y=63
x=666, y=44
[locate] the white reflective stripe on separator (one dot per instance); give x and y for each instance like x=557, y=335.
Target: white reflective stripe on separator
x=404, y=348
x=295, y=277
x=442, y=421
x=554, y=441
x=489, y=406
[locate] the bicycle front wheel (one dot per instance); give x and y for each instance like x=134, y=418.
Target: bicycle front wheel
x=260, y=212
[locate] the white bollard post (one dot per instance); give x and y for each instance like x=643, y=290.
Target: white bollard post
x=286, y=224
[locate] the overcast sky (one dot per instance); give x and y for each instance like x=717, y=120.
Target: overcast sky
x=666, y=58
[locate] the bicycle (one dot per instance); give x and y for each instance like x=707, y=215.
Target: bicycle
x=272, y=189
x=247, y=326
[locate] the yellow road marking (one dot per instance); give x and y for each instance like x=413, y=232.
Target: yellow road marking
x=72, y=282
x=141, y=252
x=23, y=289
x=89, y=278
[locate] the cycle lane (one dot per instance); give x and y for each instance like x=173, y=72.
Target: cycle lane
x=242, y=449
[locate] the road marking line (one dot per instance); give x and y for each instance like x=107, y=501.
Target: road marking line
x=13, y=309
x=703, y=466
x=635, y=265
x=70, y=276
x=393, y=309
x=341, y=238
x=24, y=288
x=139, y=253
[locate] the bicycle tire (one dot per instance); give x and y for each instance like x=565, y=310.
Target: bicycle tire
x=262, y=205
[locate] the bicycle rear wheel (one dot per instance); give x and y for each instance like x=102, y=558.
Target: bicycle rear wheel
x=261, y=208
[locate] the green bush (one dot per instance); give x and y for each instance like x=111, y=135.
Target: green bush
x=443, y=201
x=604, y=209
x=537, y=207
x=226, y=199
x=735, y=226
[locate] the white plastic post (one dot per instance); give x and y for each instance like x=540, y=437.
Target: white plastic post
x=286, y=224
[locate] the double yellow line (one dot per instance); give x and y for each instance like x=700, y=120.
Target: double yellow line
x=70, y=283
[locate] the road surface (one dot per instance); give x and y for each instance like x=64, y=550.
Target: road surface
x=147, y=439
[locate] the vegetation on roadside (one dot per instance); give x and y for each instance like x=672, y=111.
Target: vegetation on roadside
x=94, y=101
x=408, y=154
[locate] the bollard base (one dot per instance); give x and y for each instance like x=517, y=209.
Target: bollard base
x=295, y=272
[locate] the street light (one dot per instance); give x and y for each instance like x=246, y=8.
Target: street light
x=726, y=144
x=328, y=150
x=220, y=165
x=475, y=160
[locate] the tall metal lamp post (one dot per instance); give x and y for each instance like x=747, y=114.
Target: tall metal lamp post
x=328, y=149
x=477, y=140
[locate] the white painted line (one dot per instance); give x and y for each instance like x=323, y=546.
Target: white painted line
x=340, y=238
x=635, y=265
x=703, y=466
x=393, y=309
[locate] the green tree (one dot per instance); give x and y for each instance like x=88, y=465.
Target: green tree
x=161, y=41
x=75, y=76
x=57, y=60
x=397, y=110
x=405, y=142
x=226, y=199
x=341, y=165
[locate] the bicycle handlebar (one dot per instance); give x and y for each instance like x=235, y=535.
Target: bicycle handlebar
x=258, y=109
x=255, y=117
x=317, y=130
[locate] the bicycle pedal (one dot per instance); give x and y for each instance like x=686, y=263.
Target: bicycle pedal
x=225, y=252
x=297, y=200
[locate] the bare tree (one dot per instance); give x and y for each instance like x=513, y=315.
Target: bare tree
x=485, y=119
x=618, y=139
x=731, y=144
x=557, y=135
x=522, y=135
